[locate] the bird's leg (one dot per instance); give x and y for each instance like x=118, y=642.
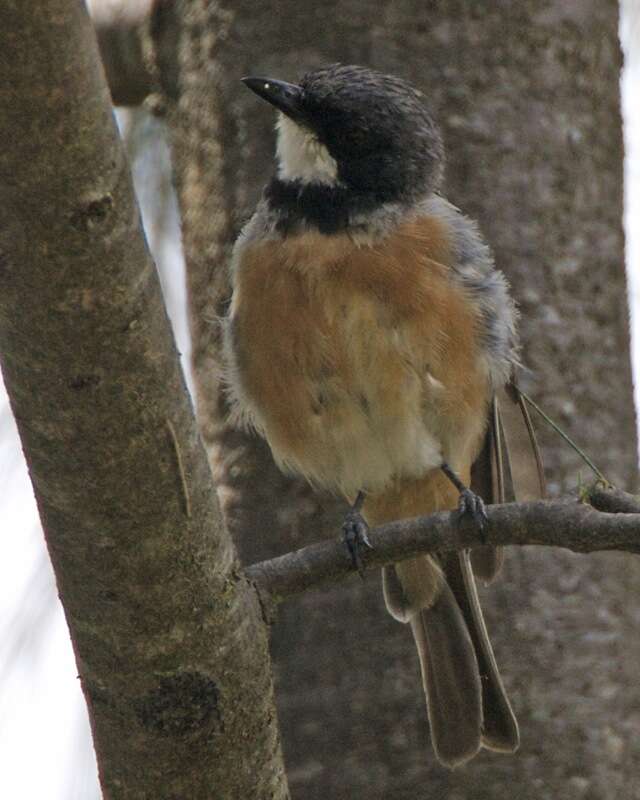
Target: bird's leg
x=470, y=503
x=356, y=533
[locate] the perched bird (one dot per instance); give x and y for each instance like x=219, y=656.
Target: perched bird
x=367, y=337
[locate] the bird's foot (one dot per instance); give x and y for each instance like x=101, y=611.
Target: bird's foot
x=472, y=505
x=469, y=504
x=356, y=536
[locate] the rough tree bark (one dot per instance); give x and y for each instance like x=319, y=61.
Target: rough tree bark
x=169, y=639
x=527, y=94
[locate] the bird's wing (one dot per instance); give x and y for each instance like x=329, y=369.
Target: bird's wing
x=508, y=467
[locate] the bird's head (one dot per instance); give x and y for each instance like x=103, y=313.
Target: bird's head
x=369, y=133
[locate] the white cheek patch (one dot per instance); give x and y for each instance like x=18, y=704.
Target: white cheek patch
x=301, y=156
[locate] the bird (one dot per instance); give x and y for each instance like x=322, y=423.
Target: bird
x=368, y=338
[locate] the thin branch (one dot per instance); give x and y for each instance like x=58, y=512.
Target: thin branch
x=567, y=438
x=613, y=500
x=570, y=524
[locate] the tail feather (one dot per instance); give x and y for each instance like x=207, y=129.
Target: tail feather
x=466, y=701
x=500, y=728
x=451, y=679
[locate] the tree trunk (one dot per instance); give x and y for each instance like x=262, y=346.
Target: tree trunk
x=169, y=639
x=527, y=95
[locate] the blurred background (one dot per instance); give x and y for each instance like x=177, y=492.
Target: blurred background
x=45, y=746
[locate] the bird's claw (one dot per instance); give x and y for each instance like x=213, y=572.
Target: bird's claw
x=471, y=504
x=356, y=536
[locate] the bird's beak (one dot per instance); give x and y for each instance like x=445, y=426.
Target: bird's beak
x=286, y=97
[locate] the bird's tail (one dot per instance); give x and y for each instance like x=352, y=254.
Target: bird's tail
x=499, y=726
x=451, y=679
x=466, y=701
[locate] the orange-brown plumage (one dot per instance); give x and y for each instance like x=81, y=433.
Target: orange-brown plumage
x=326, y=326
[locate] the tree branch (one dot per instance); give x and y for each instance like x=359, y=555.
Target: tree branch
x=570, y=524
x=170, y=642
x=613, y=500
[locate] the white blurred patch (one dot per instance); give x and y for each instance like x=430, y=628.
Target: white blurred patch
x=630, y=86
x=301, y=156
